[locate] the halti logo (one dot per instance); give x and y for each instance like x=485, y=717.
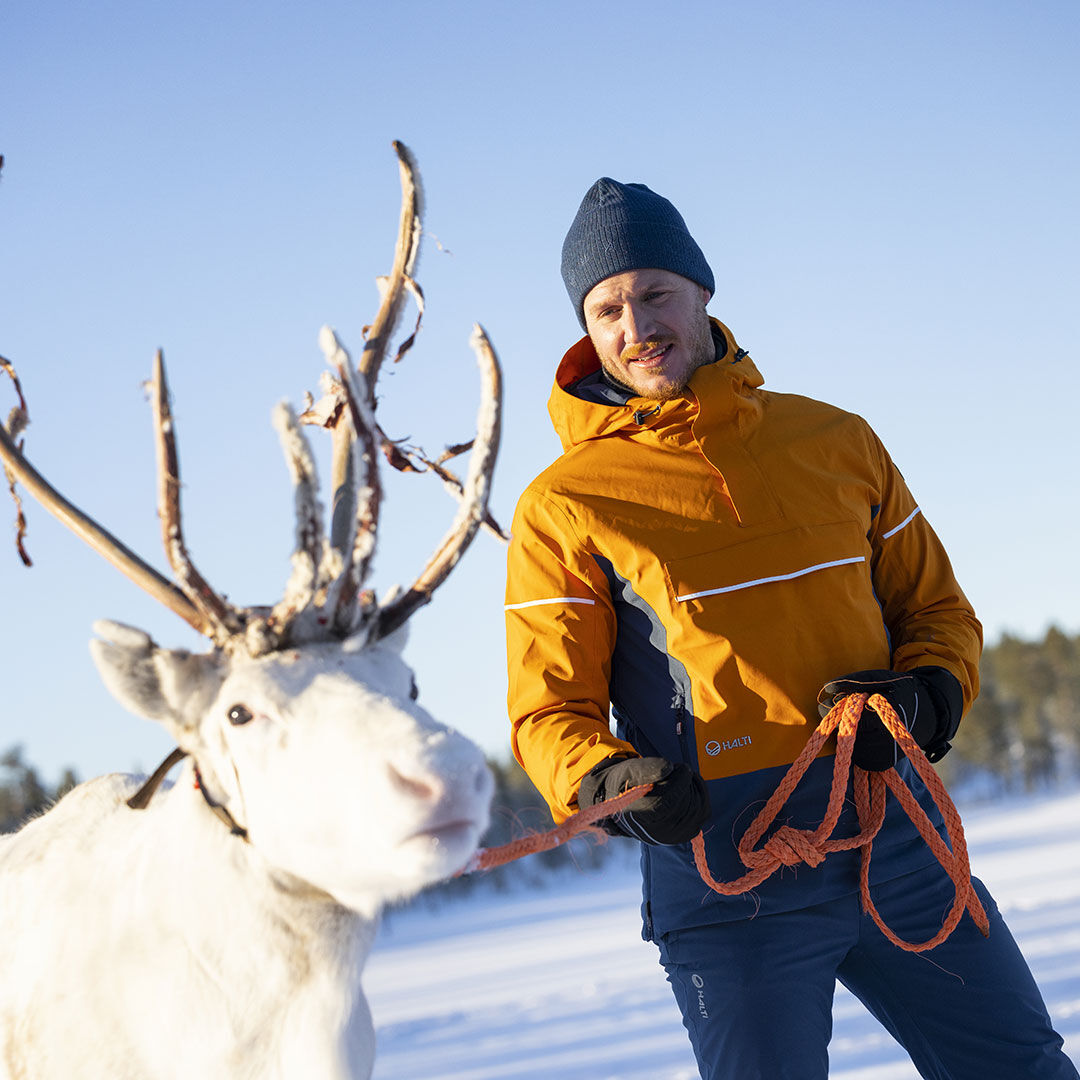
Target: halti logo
x=699, y=985
x=713, y=748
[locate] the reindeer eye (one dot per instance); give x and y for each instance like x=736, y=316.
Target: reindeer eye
x=239, y=714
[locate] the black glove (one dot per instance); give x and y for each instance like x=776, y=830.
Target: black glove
x=672, y=813
x=928, y=700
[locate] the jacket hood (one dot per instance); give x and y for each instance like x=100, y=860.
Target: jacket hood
x=729, y=385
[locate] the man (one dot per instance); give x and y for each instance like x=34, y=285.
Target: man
x=713, y=565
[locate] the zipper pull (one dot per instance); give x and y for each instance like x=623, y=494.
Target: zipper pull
x=641, y=415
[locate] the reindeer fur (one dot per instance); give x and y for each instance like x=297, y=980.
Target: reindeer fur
x=144, y=944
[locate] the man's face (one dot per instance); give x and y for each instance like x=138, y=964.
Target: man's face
x=650, y=330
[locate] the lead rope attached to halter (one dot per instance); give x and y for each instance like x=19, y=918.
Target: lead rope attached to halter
x=788, y=846
x=582, y=821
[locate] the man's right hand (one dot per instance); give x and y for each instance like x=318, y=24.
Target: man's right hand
x=673, y=812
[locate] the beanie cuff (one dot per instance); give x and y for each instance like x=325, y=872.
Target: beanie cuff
x=621, y=227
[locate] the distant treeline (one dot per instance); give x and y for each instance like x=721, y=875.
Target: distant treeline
x=1022, y=734
x=22, y=792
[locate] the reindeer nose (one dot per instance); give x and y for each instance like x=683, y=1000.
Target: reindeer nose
x=425, y=788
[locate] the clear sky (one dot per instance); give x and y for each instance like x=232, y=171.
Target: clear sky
x=886, y=192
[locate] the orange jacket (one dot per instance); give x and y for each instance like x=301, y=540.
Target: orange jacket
x=699, y=568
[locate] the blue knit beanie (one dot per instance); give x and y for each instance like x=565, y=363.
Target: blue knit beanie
x=622, y=227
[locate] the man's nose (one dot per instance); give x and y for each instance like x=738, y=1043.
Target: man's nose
x=637, y=324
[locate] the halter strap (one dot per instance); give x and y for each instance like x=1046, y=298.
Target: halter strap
x=141, y=799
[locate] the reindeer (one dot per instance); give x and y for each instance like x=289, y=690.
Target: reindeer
x=218, y=928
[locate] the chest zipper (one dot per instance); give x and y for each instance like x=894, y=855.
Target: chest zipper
x=682, y=726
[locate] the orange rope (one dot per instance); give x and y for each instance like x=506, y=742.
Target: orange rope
x=582, y=821
x=788, y=846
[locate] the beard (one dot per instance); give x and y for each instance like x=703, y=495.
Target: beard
x=701, y=350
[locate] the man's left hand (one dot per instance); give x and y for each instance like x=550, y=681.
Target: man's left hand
x=928, y=701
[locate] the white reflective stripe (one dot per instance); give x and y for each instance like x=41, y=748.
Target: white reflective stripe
x=768, y=580
x=549, y=600
x=906, y=521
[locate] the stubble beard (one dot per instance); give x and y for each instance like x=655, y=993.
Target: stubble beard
x=702, y=350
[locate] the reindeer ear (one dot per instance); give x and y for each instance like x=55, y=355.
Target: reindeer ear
x=169, y=685
x=397, y=639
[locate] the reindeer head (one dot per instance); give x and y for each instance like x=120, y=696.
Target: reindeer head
x=318, y=755
x=301, y=719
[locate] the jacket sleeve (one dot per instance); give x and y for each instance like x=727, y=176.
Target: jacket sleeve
x=560, y=630
x=929, y=619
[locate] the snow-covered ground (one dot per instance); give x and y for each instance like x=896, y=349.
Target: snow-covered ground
x=556, y=982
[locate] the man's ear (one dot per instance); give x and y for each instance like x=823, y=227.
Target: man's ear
x=172, y=686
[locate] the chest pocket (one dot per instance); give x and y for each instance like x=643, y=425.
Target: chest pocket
x=763, y=624
x=776, y=559
x=780, y=610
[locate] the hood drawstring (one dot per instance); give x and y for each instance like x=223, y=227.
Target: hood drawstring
x=641, y=415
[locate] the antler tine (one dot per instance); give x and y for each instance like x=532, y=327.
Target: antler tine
x=357, y=544
x=406, y=252
x=307, y=556
x=18, y=418
x=473, y=508
x=99, y=538
x=221, y=620
x=301, y=464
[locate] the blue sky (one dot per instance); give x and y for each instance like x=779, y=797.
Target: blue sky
x=886, y=193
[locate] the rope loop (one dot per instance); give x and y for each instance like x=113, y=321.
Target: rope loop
x=788, y=846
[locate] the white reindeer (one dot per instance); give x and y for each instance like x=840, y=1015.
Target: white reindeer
x=218, y=930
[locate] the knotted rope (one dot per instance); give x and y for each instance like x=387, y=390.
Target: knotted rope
x=789, y=847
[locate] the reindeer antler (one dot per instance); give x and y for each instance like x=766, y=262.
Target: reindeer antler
x=99, y=538
x=349, y=411
x=18, y=418
x=324, y=596
x=222, y=621
x=477, y=488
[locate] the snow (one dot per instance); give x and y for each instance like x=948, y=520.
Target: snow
x=555, y=981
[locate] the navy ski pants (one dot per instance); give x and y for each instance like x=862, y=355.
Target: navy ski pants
x=756, y=995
